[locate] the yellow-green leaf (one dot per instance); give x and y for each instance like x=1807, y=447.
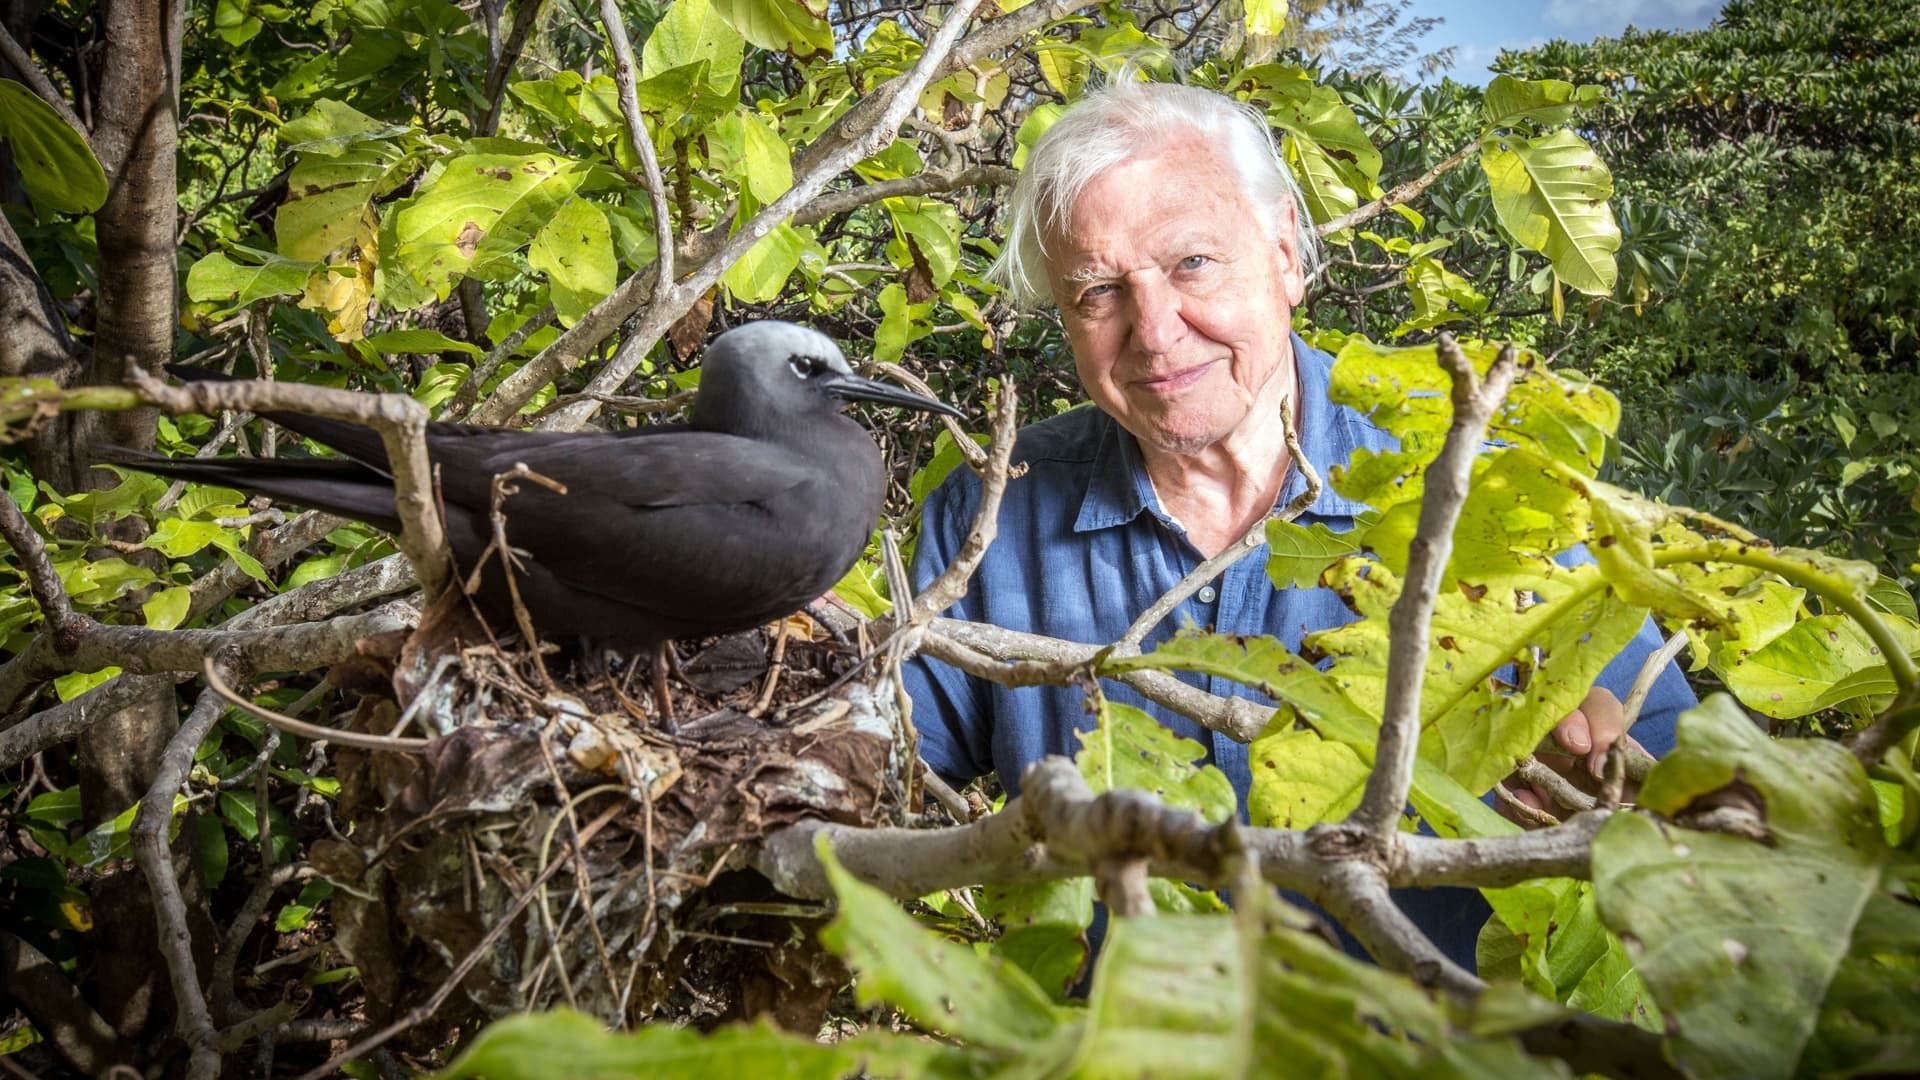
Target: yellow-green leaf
x=575, y=251
x=1551, y=194
x=55, y=164
x=167, y=608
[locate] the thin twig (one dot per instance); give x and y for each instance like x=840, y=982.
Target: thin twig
x=642, y=142
x=360, y=739
x=975, y=454
x=421, y=1013
x=193, y=1022
x=1447, y=478
x=1561, y=790
x=1650, y=670
x=1402, y=193
x=947, y=589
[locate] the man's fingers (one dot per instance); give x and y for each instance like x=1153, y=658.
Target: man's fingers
x=1606, y=723
x=1572, y=733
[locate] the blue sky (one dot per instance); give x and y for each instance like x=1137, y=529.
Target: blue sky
x=1481, y=29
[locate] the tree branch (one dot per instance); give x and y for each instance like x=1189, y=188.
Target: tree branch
x=926, y=183
x=947, y=589
x=642, y=142
x=1446, y=490
x=400, y=421
x=1402, y=193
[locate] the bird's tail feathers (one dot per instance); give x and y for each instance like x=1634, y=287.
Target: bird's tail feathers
x=347, y=488
x=357, y=441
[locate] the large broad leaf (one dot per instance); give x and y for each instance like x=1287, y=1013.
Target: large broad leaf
x=330, y=196
x=218, y=277
x=575, y=251
x=1816, y=664
x=1770, y=958
x=481, y=209
x=762, y=272
x=1267, y=997
x=941, y=985
x=790, y=26
x=1327, y=148
x=1543, y=101
x=694, y=32
x=1520, y=512
x=1043, y=929
x=56, y=165
x=1551, y=194
x=1130, y=749
x=1405, y=390
x=566, y=1043
x=1301, y=778
x=1474, y=727
x=1268, y=666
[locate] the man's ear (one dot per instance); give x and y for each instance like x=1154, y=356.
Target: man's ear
x=1293, y=270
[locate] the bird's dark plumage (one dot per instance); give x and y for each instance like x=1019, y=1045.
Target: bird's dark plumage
x=752, y=509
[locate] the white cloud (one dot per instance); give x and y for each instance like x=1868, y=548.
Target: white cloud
x=1581, y=19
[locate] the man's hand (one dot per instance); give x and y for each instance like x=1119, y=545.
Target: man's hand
x=1579, y=752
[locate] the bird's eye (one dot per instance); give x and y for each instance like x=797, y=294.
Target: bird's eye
x=803, y=366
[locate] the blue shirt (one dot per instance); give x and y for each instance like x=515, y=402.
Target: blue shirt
x=1084, y=546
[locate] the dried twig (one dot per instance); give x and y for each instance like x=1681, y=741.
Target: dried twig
x=1446, y=490
x=423, y=1012
x=1650, y=671
x=944, y=591
x=1401, y=193
x=360, y=739
x=642, y=143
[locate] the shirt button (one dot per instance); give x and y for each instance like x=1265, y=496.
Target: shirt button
x=1208, y=594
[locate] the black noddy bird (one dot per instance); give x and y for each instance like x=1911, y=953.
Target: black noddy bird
x=752, y=509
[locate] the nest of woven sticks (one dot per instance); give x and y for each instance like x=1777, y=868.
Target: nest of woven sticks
x=535, y=837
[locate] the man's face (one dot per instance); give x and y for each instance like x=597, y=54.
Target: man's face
x=1175, y=296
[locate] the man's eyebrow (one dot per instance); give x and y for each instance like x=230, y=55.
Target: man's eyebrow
x=1087, y=275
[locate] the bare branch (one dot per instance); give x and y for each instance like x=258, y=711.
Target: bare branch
x=642, y=142
x=926, y=183
x=1446, y=482
x=400, y=421
x=469, y=391
x=975, y=454
x=1561, y=790
x=17, y=58
x=944, y=591
x=1237, y=718
x=525, y=13
x=1650, y=670
x=1403, y=193
x=1355, y=893
x=193, y=1022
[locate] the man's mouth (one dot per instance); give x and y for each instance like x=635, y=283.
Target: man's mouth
x=1173, y=382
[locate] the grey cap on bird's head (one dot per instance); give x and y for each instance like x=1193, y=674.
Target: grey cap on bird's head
x=763, y=375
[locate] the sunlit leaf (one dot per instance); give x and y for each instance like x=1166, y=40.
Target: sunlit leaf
x=1551, y=194
x=54, y=163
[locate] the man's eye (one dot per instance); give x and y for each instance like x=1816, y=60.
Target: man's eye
x=802, y=366
x=1194, y=262
x=1095, y=292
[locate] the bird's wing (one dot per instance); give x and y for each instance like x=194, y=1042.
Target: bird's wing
x=606, y=472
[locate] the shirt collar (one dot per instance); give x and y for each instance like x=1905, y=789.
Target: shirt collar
x=1119, y=490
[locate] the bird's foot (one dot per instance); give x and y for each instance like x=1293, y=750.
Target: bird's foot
x=818, y=612
x=664, y=658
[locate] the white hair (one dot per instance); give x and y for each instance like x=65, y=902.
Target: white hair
x=1123, y=121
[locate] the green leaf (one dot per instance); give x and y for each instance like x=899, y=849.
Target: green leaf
x=857, y=587
x=297, y=915
x=1473, y=727
x=1186, y=996
x=208, y=840
x=1815, y=664
x=1265, y=17
x=1759, y=953
x=1043, y=929
x=1325, y=145
x=539, y=1046
x=219, y=278
x=943, y=986
x=419, y=340
x=780, y=25
x=1435, y=291
x=762, y=272
x=178, y=538
x=1544, y=101
x=234, y=21
x=1297, y=555
x=55, y=164
x=1551, y=194
x=575, y=251
x=694, y=32
x=1130, y=749
x=61, y=807
x=1268, y=666
x=481, y=209
x=167, y=608
x=1302, y=779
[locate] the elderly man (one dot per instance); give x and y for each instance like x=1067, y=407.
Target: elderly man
x=1163, y=224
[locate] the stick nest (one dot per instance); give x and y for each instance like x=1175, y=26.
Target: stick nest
x=656, y=915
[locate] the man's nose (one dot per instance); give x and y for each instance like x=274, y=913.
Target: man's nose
x=1158, y=324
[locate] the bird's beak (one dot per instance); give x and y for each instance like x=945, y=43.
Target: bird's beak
x=855, y=388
